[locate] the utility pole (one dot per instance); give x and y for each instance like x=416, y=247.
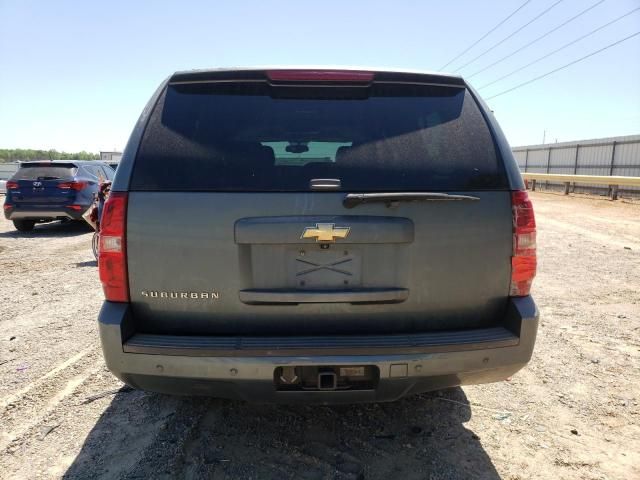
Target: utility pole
x=544, y=135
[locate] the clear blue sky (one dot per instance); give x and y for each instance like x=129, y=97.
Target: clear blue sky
x=76, y=74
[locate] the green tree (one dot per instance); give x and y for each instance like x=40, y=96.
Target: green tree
x=22, y=154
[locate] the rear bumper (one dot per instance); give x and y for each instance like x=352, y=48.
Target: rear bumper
x=20, y=212
x=244, y=370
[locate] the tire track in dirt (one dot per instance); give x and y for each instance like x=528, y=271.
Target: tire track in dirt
x=26, y=409
x=23, y=426
x=47, y=445
x=6, y=400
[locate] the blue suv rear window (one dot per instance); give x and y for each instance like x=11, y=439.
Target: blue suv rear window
x=48, y=172
x=258, y=137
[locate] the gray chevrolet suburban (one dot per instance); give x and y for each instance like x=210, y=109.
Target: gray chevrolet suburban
x=316, y=235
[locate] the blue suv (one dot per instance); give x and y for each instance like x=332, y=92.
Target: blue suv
x=52, y=190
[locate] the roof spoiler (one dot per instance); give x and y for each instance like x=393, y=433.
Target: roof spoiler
x=315, y=75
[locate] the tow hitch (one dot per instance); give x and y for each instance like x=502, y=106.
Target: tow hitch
x=327, y=381
x=326, y=378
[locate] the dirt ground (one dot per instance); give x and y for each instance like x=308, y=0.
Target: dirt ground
x=571, y=414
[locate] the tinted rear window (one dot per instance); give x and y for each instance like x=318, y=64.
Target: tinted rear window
x=255, y=137
x=49, y=172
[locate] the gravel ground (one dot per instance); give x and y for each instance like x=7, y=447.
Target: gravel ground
x=571, y=414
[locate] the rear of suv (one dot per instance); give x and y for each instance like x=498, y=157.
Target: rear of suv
x=316, y=235
x=52, y=190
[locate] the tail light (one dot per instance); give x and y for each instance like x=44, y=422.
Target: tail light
x=11, y=185
x=77, y=208
x=77, y=186
x=523, y=261
x=8, y=206
x=112, y=260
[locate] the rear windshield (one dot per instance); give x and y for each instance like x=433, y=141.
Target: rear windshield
x=257, y=137
x=48, y=172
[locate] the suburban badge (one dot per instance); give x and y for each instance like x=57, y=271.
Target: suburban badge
x=181, y=295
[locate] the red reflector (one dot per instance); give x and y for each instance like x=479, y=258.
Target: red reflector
x=77, y=208
x=12, y=185
x=320, y=76
x=8, y=206
x=77, y=186
x=523, y=271
x=523, y=261
x=112, y=260
x=524, y=268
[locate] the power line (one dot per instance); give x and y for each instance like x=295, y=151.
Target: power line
x=564, y=66
x=560, y=48
x=484, y=36
x=511, y=35
x=537, y=39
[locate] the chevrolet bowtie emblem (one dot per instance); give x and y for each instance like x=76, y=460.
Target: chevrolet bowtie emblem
x=325, y=232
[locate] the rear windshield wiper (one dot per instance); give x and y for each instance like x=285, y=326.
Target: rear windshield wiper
x=354, y=199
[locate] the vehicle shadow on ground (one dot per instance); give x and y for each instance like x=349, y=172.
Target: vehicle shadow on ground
x=52, y=229
x=155, y=436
